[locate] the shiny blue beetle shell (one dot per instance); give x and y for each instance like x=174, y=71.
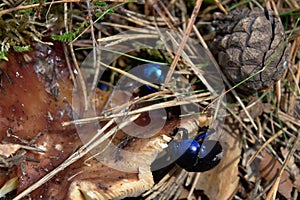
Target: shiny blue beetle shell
x=188, y=149
x=154, y=72
x=197, y=155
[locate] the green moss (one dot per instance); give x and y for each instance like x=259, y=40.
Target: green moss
x=18, y=29
x=22, y=48
x=69, y=37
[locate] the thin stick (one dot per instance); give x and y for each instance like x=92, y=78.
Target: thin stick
x=184, y=40
x=94, y=46
x=81, y=79
x=3, y=12
x=185, y=101
x=220, y=6
x=193, y=186
x=133, y=77
x=274, y=189
x=263, y=146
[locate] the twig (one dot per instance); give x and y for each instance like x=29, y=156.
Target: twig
x=185, y=101
x=133, y=77
x=95, y=56
x=273, y=191
x=263, y=146
x=184, y=40
x=3, y=12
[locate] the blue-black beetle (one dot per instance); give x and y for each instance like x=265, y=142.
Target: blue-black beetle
x=196, y=155
x=152, y=73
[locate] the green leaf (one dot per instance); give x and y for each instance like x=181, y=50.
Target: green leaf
x=22, y=48
x=3, y=56
x=99, y=3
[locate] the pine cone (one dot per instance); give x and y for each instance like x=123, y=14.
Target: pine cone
x=247, y=41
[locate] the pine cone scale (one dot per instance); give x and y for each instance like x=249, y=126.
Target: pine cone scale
x=252, y=56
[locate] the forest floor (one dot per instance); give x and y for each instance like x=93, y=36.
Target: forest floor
x=257, y=128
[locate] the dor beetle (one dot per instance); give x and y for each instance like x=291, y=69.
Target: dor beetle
x=153, y=73
x=196, y=155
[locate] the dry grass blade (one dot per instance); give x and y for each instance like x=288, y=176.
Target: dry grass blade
x=9, y=186
x=119, y=108
x=220, y=6
x=130, y=76
x=157, y=188
x=272, y=193
x=132, y=28
x=184, y=40
x=124, y=38
x=104, y=13
x=183, y=101
x=81, y=79
x=286, y=117
x=69, y=65
x=162, y=13
x=140, y=20
x=194, y=185
x=10, y=10
x=128, y=37
x=195, y=69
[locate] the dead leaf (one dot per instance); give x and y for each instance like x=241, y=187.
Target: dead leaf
x=269, y=168
x=28, y=108
x=9, y=186
x=222, y=181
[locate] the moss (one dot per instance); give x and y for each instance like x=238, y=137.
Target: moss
x=18, y=29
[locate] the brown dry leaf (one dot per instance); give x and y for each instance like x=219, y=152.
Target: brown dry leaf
x=269, y=168
x=222, y=181
x=31, y=112
x=93, y=181
x=9, y=149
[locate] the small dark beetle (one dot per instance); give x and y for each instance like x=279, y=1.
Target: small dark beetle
x=152, y=73
x=197, y=155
